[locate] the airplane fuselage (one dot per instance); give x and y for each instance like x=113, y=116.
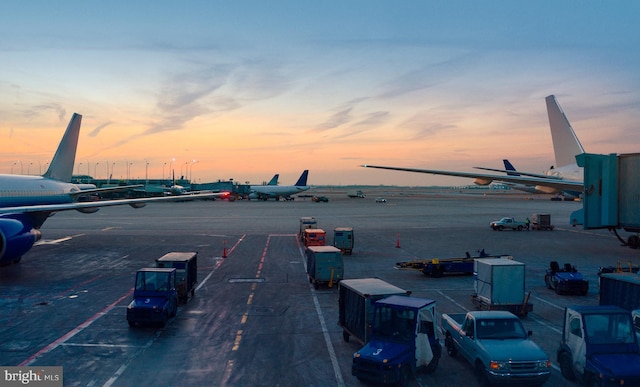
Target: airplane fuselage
x=19, y=190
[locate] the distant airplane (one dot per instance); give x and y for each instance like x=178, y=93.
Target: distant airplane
x=265, y=192
x=27, y=201
x=568, y=177
x=274, y=180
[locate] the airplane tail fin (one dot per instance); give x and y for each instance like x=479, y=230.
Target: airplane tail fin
x=274, y=180
x=509, y=167
x=61, y=166
x=302, y=181
x=565, y=142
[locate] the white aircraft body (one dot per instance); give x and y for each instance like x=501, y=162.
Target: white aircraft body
x=567, y=176
x=27, y=201
x=265, y=192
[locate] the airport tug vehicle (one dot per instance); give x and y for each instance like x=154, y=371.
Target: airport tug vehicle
x=155, y=298
x=403, y=340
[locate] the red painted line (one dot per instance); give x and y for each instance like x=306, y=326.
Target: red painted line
x=73, y=332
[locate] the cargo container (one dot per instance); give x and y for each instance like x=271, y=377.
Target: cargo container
x=186, y=265
x=314, y=237
x=305, y=223
x=620, y=289
x=499, y=285
x=356, y=298
x=324, y=265
x=343, y=239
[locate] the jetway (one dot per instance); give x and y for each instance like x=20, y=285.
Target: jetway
x=611, y=197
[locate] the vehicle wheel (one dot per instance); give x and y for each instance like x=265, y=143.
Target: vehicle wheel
x=481, y=375
x=163, y=322
x=547, y=281
x=345, y=336
x=450, y=346
x=437, y=272
x=519, y=228
x=500, y=228
x=316, y=285
x=565, y=366
x=131, y=323
x=633, y=241
x=593, y=381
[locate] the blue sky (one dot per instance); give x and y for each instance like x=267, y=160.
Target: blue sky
x=248, y=89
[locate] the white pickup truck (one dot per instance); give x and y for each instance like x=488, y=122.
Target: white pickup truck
x=506, y=222
x=496, y=344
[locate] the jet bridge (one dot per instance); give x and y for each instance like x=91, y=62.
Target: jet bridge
x=611, y=197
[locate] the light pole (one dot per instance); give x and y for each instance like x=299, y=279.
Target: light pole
x=29, y=167
x=14, y=163
x=95, y=171
x=181, y=174
x=78, y=171
x=191, y=170
x=171, y=166
x=146, y=171
x=165, y=163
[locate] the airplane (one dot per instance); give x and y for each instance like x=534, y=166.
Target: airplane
x=274, y=180
x=27, y=201
x=567, y=177
x=265, y=192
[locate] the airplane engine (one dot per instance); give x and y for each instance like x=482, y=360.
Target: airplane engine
x=545, y=189
x=16, y=238
x=481, y=181
x=88, y=210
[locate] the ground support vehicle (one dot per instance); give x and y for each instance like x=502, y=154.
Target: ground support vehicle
x=566, y=279
x=186, y=265
x=541, y=222
x=621, y=290
x=324, y=265
x=403, y=341
x=343, y=239
x=355, y=194
x=496, y=344
x=499, y=285
x=437, y=267
x=155, y=298
x=599, y=346
x=619, y=268
x=499, y=225
x=356, y=299
x=314, y=237
x=305, y=223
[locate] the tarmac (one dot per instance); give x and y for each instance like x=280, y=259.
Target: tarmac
x=255, y=319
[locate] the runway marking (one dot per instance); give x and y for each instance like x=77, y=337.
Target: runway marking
x=323, y=324
x=104, y=345
x=56, y=241
x=548, y=303
x=452, y=300
x=73, y=332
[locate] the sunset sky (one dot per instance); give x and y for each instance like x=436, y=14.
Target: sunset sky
x=247, y=89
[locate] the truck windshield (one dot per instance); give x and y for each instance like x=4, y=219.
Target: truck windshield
x=609, y=329
x=151, y=281
x=395, y=323
x=500, y=329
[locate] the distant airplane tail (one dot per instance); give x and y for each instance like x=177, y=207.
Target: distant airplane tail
x=274, y=180
x=302, y=181
x=565, y=142
x=61, y=166
x=509, y=167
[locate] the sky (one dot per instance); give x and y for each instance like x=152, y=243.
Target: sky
x=215, y=90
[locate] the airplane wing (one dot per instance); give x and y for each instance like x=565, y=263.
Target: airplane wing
x=521, y=173
x=485, y=179
x=80, y=206
x=91, y=191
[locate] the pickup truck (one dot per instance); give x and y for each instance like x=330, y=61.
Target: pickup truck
x=496, y=344
x=499, y=225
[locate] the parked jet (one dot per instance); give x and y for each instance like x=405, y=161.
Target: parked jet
x=265, y=192
x=568, y=177
x=274, y=180
x=27, y=201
